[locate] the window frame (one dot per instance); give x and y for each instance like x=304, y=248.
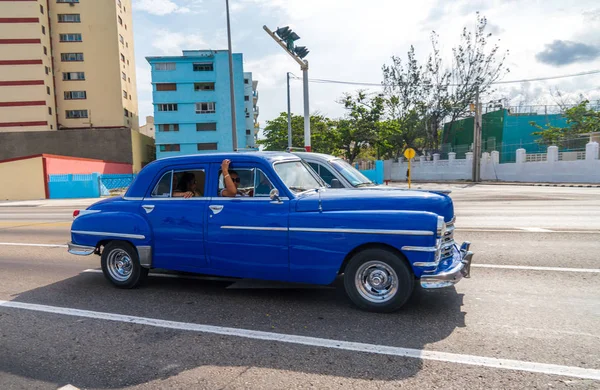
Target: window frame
x=70, y=94
x=76, y=17
x=167, y=68
x=64, y=35
x=208, y=110
x=199, y=66
x=174, y=107
x=77, y=117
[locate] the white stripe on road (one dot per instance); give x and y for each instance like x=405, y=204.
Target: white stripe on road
x=523, y=230
x=30, y=244
x=508, y=364
x=535, y=268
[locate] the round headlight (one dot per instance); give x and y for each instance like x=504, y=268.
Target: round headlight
x=441, y=227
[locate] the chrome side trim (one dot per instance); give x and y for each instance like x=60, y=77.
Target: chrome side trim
x=121, y=235
x=159, y=199
x=365, y=231
x=80, y=250
x=132, y=198
x=145, y=254
x=420, y=248
x=276, y=229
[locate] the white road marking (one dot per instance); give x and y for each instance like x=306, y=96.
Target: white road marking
x=535, y=268
x=30, y=244
x=472, y=360
x=521, y=230
x=536, y=230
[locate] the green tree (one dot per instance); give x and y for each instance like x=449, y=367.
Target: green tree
x=581, y=119
x=323, y=131
x=359, y=129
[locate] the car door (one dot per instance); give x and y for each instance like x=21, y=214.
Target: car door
x=247, y=236
x=178, y=223
x=327, y=174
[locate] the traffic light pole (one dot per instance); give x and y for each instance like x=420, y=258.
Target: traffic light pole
x=306, y=109
x=289, y=112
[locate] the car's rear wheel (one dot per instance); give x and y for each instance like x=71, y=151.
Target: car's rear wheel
x=121, y=265
x=378, y=280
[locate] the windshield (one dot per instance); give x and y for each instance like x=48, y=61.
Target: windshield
x=296, y=176
x=351, y=174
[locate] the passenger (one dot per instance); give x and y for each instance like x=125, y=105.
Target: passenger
x=231, y=179
x=187, y=186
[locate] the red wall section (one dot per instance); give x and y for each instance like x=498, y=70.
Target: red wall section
x=57, y=165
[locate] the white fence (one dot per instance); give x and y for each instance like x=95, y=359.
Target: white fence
x=550, y=167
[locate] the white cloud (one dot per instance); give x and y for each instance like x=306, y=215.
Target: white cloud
x=160, y=7
x=172, y=43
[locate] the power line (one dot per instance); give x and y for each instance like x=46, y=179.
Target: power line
x=325, y=81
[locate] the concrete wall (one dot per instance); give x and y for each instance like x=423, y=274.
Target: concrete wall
x=101, y=144
x=143, y=150
x=549, y=171
x=22, y=179
x=56, y=165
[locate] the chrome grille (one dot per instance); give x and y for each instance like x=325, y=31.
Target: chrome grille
x=448, y=241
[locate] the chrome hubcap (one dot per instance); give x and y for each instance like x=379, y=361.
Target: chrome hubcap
x=119, y=265
x=376, y=281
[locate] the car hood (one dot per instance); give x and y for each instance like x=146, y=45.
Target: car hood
x=376, y=199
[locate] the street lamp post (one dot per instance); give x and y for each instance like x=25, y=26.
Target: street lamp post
x=285, y=37
x=233, y=119
x=289, y=112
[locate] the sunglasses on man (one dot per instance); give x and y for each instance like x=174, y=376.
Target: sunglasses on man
x=235, y=180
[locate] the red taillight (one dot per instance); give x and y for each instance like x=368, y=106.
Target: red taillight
x=75, y=213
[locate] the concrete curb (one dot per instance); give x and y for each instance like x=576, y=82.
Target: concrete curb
x=494, y=183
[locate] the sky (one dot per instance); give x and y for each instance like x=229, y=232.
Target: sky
x=351, y=40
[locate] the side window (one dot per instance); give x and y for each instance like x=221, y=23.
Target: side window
x=250, y=182
x=314, y=166
x=189, y=183
x=326, y=174
x=163, y=188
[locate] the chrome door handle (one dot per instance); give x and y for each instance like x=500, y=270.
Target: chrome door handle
x=148, y=208
x=216, y=209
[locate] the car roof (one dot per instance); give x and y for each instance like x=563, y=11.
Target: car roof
x=322, y=157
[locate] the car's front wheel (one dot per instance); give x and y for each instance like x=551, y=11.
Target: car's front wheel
x=378, y=280
x=121, y=265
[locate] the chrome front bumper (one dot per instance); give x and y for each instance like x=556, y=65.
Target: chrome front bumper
x=460, y=268
x=80, y=250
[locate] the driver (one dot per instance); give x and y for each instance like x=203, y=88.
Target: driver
x=231, y=179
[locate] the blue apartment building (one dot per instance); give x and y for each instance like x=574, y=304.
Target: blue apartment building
x=192, y=105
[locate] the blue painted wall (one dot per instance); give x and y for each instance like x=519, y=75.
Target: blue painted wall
x=375, y=175
x=73, y=186
x=186, y=98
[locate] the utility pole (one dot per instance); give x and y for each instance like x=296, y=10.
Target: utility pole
x=285, y=37
x=231, y=89
x=289, y=112
x=477, y=130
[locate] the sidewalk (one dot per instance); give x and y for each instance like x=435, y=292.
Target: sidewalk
x=50, y=202
x=465, y=183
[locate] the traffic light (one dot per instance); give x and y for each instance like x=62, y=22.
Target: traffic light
x=288, y=36
x=301, y=51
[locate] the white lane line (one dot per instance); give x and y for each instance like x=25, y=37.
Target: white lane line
x=535, y=268
x=472, y=360
x=30, y=244
x=525, y=230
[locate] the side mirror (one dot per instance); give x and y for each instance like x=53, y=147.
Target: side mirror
x=274, y=195
x=335, y=183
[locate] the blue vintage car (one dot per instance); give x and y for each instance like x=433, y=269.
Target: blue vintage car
x=279, y=223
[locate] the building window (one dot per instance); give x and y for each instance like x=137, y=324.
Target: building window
x=75, y=114
x=204, y=86
x=123, y=76
x=127, y=62
x=210, y=126
x=126, y=112
x=170, y=148
x=248, y=132
x=247, y=115
x=205, y=108
x=42, y=9
x=207, y=146
x=47, y=70
x=75, y=95
x=45, y=50
x=246, y=81
x=70, y=37
x=122, y=58
x=125, y=27
x=74, y=76
x=169, y=127
x=44, y=30
x=49, y=110
x=165, y=66
x=120, y=20
x=121, y=39
x=128, y=79
x=69, y=18
x=203, y=67
x=48, y=90
x=166, y=87
x=167, y=107
x=71, y=57
x=67, y=1
x=119, y=3
x=125, y=94
x=129, y=96
x=246, y=98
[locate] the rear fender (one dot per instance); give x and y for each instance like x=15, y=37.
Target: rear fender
x=91, y=229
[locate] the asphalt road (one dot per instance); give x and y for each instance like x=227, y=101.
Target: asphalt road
x=534, y=298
